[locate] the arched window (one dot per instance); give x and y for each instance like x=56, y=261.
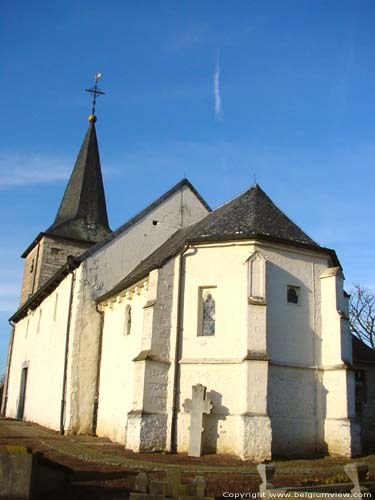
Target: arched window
x=208, y=313
x=128, y=319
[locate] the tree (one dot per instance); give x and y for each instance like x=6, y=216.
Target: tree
x=362, y=314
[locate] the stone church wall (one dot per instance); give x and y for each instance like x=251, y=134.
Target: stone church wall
x=39, y=346
x=100, y=272
x=44, y=260
x=366, y=406
x=216, y=361
x=117, y=372
x=294, y=395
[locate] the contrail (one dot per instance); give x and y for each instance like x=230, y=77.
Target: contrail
x=218, y=105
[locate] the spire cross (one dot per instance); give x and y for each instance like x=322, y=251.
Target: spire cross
x=95, y=91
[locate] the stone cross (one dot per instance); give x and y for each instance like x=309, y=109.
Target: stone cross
x=266, y=472
x=197, y=405
x=357, y=472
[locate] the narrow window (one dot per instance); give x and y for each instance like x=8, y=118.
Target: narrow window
x=128, y=320
x=208, y=312
x=32, y=266
x=293, y=294
x=55, y=307
x=39, y=321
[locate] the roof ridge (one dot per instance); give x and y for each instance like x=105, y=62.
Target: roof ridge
x=133, y=220
x=224, y=207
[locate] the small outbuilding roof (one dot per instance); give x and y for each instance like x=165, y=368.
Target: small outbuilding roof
x=362, y=353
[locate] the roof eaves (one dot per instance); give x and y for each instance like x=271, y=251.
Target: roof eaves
x=135, y=275
x=45, y=290
x=273, y=239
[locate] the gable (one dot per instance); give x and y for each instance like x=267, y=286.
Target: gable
x=121, y=251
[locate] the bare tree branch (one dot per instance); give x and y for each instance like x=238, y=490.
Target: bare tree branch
x=362, y=314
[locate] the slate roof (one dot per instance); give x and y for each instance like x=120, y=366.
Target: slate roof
x=362, y=353
x=250, y=215
x=83, y=212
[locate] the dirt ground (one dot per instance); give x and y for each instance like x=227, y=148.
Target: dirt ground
x=102, y=470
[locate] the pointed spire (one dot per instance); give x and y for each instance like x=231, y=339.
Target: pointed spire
x=83, y=213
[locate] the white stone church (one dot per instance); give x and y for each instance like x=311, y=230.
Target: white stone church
x=115, y=327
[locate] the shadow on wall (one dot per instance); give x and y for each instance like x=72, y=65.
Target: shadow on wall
x=211, y=422
x=296, y=395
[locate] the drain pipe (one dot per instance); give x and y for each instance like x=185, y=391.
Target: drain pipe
x=66, y=355
x=178, y=347
x=98, y=366
x=6, y=381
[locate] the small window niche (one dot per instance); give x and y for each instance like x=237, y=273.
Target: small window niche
x=293, y=294
x=55, y=250
x=257, y=279
x=39, y=321
x=207, y=313
x=55, y=307
x=128, y=320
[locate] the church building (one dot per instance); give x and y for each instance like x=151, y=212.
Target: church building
x=115, y=327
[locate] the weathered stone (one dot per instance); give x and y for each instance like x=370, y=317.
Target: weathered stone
x=197, y=405
x=173, y=482
x=24, y=475
x=15, y=473
x=200, y=485
x=266, y=472
x=189, y=497
x=158, y=488
x=145, y=496
x=141, y=482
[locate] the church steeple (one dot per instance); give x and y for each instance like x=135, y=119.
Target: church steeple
x=83, y=213
x=81, y=220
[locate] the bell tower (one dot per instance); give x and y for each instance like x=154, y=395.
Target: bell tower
x=81, y=219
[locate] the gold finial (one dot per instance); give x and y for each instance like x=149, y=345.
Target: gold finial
x=95, y=91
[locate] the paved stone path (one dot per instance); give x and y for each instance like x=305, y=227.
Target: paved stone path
x=100, y=463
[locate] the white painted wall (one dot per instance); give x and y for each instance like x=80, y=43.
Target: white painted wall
x=43, y=349
x=117, y=367
x=100, y=272
x=292, y=333
x=96, y=275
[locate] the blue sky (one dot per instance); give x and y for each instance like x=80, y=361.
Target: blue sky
x=215, y=91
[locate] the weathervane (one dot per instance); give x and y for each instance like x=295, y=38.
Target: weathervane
x=95, y=91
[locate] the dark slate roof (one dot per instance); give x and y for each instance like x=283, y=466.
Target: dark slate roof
x=252, y=214
x=83, y=212
x=362, y=353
